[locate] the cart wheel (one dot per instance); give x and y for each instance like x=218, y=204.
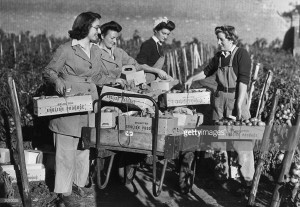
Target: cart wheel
x=127, y=170
x=187, y=172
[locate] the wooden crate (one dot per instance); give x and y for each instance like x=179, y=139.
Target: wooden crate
x=145, y=125
x=140, y=102
x=199, y=96
x=116, y=138
x=232, y=132
x=54, y=105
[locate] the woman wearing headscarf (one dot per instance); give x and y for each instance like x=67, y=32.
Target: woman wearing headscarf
x=151, y=51
x=231, y=65
x=70, y=71
x=114, y=58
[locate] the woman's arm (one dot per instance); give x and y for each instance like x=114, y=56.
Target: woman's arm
x=128, y=60
x=50, y=73
x=241, y=96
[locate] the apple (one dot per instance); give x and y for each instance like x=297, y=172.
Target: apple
x=261, y=123
x=280, y=157
x=107, y=110
x=249, y=124
x=294, y=180
x=237, y=123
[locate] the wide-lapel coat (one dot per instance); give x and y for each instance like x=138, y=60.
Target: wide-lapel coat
x=72, y=65
x=111, y=69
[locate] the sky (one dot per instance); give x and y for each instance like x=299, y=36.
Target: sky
x=284, y=5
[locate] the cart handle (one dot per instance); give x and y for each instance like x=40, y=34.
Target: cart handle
x=155, y=130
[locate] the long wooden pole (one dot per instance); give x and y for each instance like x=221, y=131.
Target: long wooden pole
x=263, y=149
x=168, y=63
x=254, y=78
x=192, y=59
x=177, y=66
x=264, y=90
x=20, y=147
x=185, y=65
x=287, y=161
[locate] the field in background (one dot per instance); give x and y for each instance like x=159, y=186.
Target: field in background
x=193, y=18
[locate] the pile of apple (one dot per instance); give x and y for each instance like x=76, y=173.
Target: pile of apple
x=285, y=114
x=246, y=122
x=294, y=174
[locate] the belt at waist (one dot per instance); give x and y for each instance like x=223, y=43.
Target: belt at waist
x=78, y=79
x=224, y=89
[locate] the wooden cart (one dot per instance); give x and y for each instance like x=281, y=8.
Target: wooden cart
x=108, y=142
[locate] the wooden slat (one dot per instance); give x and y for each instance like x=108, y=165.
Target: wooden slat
x=20, y=147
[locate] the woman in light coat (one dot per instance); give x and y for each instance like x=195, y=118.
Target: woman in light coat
x=70, y=71
x=113, y=58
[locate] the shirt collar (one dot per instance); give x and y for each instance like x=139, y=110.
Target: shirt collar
x=77, y=42
x=110, y=52
x=225, y=54
x=156, y=40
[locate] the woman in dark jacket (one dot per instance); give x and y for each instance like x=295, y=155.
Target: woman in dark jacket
x=151, y=51
x=70, y=71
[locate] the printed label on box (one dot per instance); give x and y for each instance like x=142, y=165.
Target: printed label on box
x=140, y=102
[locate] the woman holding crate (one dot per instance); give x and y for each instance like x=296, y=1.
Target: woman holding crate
x=70, y=71
x=151, y=51
x=231, y=65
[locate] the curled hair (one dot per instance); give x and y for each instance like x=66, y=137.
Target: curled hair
x=163, y=25
x=112, y=25
x=82, y=25
x=229, y=31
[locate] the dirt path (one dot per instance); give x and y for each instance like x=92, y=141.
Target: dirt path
x=139, y=194
x=205, y=192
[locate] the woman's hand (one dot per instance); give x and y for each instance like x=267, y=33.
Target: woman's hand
x=122, y=82
x=61, y=88
x=162, y=74
x=188, y=83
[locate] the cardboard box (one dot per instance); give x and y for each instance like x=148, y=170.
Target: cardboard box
x=144, y=125
x=199, y=96
x=33, y=156
x=163, y=85
x=108, y=119
x=4, y=155
x=35, y=172
x=54, y=105
x=189, y=121
x=140, y=102
x=136, y=77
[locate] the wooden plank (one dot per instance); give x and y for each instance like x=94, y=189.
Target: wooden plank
x=264, y=149
x=263, y=95
x=20, y=148
x=119, y=138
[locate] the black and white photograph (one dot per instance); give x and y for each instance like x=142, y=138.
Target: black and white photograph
x=149, y=103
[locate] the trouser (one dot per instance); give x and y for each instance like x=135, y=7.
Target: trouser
x=72, y=165
x=224, y=105
x=244, y=150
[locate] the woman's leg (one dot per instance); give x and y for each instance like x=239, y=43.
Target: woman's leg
x=64, y=163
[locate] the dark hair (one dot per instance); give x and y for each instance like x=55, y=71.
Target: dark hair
x=163, y=25
x=229, y=31
x=112, y=25
x=82, y=25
